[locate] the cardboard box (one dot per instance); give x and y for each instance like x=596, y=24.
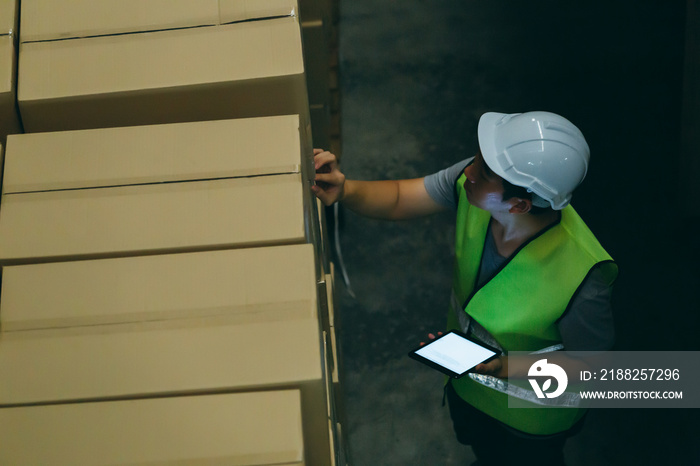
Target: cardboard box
x=154, y=218
x=8, y=17
x=159, y=153
x=234, y=429
x=177, y=356
x=174, y=357
x=268, y=283
x=183, y=324
x=9, y=119
x=45, y=20
x=142, y=172
x=152, y=75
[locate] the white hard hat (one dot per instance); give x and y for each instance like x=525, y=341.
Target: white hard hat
x=540, y=151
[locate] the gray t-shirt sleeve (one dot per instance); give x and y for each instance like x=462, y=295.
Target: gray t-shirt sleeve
x=441, y=185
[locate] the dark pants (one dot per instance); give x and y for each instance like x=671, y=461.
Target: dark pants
x=496, y=444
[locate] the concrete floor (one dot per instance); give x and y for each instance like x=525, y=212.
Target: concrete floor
x=415, y=76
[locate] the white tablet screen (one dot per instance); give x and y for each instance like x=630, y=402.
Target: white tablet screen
x=455, y=353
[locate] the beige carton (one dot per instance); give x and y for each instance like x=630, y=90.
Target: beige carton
x=170, y=357
x=173, y=357
x=47, y=20
x=237, y=70
x=157, y=153
x=154, y=218
x=8, y=17
x=262, y=283
x=233, y=429
x=181, y=324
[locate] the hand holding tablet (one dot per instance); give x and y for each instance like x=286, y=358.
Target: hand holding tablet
x=454, y=354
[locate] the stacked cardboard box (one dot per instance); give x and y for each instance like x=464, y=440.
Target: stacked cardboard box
x=218, y=317
x=141, y=431
x=165, y=282
x=184, y=324
x=158, y=62
x=154, y=189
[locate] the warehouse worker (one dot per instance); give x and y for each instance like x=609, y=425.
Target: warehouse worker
x=528, y=275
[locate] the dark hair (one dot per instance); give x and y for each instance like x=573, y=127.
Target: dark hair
x=510, y=190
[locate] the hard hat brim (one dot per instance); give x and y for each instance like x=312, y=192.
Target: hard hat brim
x=486, y=132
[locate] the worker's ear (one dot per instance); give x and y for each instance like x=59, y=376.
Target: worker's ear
x=520, y=206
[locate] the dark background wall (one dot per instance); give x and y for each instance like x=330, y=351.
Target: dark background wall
x=415, y=77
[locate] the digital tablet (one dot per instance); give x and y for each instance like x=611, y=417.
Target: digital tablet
x=454, y=354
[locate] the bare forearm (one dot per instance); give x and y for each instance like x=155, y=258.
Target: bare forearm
x=390, y=199
x=375, y=199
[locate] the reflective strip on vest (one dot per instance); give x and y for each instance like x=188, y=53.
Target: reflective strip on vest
x=566, y=399
x=475, y=330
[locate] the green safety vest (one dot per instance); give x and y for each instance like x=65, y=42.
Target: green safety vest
x=519, y=307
